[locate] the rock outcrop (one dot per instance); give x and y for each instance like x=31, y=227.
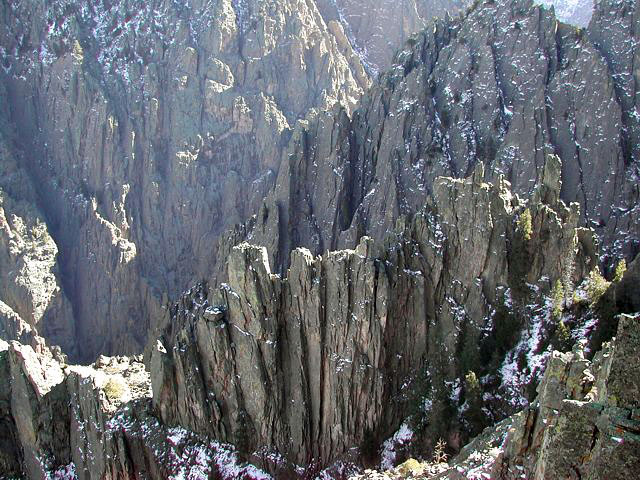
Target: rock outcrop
x=378, y=28
x=95, y=423
x=152, y=128
x=149, y=128
x=399, y=269
x=311, y=364
x=505, y=85
x=32, y=299
x=575, y=12
x=584, y=423
x=60, y=412
x=299, y=371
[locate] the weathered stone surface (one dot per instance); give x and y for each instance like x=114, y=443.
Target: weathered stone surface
x=575, y=12
x=57, y=416
x=151, y=127
x=310, y=364
x=31, y=296
x=10, y=452
x=439, y=310
x=569, y=433
x=614, y=31
x=378, y=28
x=506, y=85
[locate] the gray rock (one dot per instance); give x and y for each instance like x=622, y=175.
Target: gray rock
x=587, y=432
x=150, y=128
x=506, y=85
x=310, y=364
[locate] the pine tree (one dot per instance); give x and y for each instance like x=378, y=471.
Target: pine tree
x=525, y=224
x=562, y=337
x=620, y=269
x=557, y=296
x=596, y=285
x=473, y=396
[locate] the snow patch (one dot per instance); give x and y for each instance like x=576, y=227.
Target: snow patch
x=403, y=436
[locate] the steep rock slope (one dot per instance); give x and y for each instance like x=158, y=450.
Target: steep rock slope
x=584, y=423
x=348, y=344
x=31, y=297
x=506, y=85
x=150, y=127
x=94, y=423
x=378, y=28
x=614, y=32
x=330, y=360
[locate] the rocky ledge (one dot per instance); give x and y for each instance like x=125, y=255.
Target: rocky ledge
x=442, y=329
x=584, y=423
x=340, y=352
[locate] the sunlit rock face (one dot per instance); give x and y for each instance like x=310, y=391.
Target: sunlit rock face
x=506, y=85
x=378, y=28
x=146, y=129
x=385, y=265
x=306, y=364
x=575, y=12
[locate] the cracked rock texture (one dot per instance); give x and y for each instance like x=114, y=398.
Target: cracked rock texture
x=407, y=262
x=575, y=12
x=95, y=423
x=505, y=85
x=308, y=364
x=55, y=415
x=583, y=424
x=377, y=28
x=147, y=128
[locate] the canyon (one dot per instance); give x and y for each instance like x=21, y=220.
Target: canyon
x=285, y=238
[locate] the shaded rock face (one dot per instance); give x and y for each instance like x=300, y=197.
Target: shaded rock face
x=94, y=423
x=445, y=314
x=57, y=419
x=310, y=364
x=614, y=32
x=377, y=28
x=505, y=85
x=583, y=424
x=149, y=128
x=31, y=294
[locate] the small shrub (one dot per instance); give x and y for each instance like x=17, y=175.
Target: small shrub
x=114, y=389
x=525, y=224
x=473, y=397
x=562, y=337
x=439, y=454
x=596, y=286
x=576, y=300
x=620, y=269
x=557, y=296
x=471, y=384
x=77, y=53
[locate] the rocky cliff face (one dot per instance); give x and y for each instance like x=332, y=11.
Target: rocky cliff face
x=505, y=85
x=147, y=128
x=346, y=344
x=584, y=423
x=409, y=265
x=575, y=12
x=72, y=422
x=377, y=29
